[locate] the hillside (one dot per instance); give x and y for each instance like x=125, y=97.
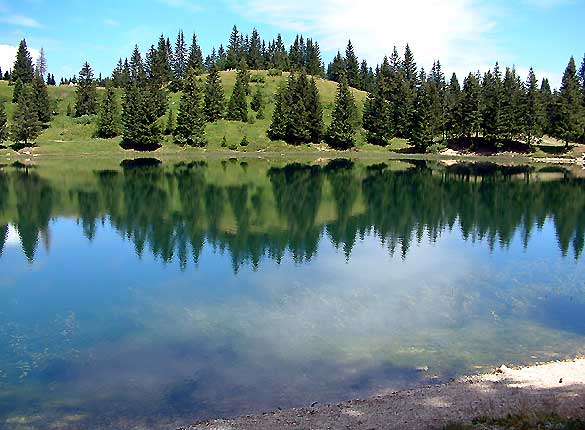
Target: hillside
x=75, y=135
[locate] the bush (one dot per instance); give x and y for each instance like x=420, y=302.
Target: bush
x=251, y=119
x=84, y=120
x=436, y=148
x=274, y=72
x=244, y=141
x=224, y=142
x=257, y=78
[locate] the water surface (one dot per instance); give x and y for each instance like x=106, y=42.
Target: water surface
x=150, y=295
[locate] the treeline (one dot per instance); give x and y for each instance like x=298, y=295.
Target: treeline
x=402, y=208
x=495, y=108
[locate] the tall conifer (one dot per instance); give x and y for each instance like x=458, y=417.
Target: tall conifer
x=340, y=134
x=214, y=99
x=190, y=128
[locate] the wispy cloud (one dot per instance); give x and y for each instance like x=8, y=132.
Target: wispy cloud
x=188, y=5
x=547, y=4
x=19, y=20
x=111, y=22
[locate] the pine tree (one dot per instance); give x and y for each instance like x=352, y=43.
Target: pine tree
x=280, y=58
x=195, y=61
x=109, y=115
x=170, y=126
x=295, y=56
x=298, y=121
x=453, y=114
x=313, y=60
x=314, y=112
x=41, y=100
x=336, y=69
x=86, y=102
x=376, y=117
x=23, y=69
x=257, y=100
x=233, y=51
x=3, y=124
x=280, y=118
x=254, y=57
x=549, y=107
x=238, y=105
x=340, y=134
x=26, y=126
x=470, y=106
x=190, y=129
x=569, y=126
x=352, y=70
x=532, y=114
x=511, y=105
x=214, y=100
x=491, y=101
x=422, y=127
x=180, y=57
x=41, y=68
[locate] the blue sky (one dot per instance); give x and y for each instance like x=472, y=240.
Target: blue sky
x=464, y=34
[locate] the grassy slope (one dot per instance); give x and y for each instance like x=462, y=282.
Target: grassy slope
x=68, y=135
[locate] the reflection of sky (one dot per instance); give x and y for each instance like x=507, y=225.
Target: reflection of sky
x=321, y=329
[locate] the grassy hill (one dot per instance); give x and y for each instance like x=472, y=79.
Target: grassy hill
x=75, y=135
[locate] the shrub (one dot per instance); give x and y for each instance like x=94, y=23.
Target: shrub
x=257, y=78
x=244, y=141
x=274, y=72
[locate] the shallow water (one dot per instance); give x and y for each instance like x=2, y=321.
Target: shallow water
x=150, y=295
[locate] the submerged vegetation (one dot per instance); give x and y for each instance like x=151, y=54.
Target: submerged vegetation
x=498, y=109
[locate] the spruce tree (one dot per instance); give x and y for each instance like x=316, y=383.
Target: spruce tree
x=453, y=114
x=238, y=105
x=3, y=124
x=23, y=69
x=41, y=98
x=569, y=126
x=214, y=99
x=41, y=68
x=190, y=129
x=195, y=61
x=26, y=126
x=280, y=118
x=180, y=57
x=298, y=121
x=336, y=69
x=254, y=57
x=532, y=113
x=109, y=115
x=491, y=102
x=86, y=101
x=511, y=105
x=549, y=107
x=340, y=134
x=422, y=127
x=470, y=106
x=257, y=100
x=314, y=112
x=313, y=61
x=376, y=118
x=233, y=51
x=170, y=126
x=352, y=71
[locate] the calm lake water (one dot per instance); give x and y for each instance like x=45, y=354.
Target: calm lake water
x=147, y=295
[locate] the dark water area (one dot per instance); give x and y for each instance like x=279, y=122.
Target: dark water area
x=149, y=295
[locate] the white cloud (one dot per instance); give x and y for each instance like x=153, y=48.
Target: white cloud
x=456, y=31
x=20, y=20
x=8, y=55
x=111, y=22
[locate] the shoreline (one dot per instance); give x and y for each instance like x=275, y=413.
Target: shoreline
x=550, y=388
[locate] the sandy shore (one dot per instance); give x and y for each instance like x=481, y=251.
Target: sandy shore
x=557, y=387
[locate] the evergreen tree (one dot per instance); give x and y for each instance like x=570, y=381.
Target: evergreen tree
x=453, y=113
x=26, y=126
x=422, y=123
x=195, y=61
x=23, y=69
x=470, y=106
x=569, y=126
x=86, y=101
x=41, y=68
x=233, y=51
x=3, y=124
x=376, y=117
x=336, y=69
x=298, y=121
x=108, y=121
x=340, y=134
x=238, y=105
x=41, y=98
x=314, y=112
x=352, y=70
x=257, y=100
x=180, y=57
x=295, y=56
x=254, y=57
x=160, y=69
x=532, y=114
x=436, y=94
x=280, y=118
x=549, y=107
x=491, y=112
x=190, y=129
x=214, y=99
x=511, y=106
x=405, y=82
x=313, y=60
x=170, y=126
x=280, y=57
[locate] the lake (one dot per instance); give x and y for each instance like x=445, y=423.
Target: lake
x=147, y=295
